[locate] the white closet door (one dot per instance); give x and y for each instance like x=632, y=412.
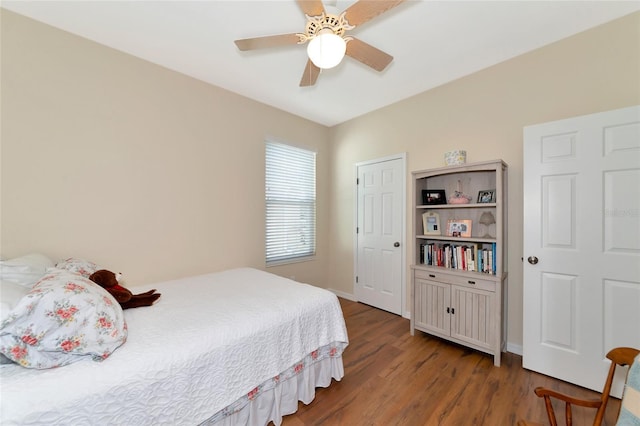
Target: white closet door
x=581, y=244
x=380, y=234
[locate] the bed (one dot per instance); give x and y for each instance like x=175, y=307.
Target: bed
x=238, y=347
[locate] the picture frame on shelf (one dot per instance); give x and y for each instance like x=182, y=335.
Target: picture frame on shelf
x=459, y=228
x=431, y=223
x=433, y=196
x=487, y=196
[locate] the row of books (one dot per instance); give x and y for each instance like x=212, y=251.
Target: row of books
x=467, y=257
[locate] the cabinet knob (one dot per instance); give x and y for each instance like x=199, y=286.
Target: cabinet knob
x=532, y=260
x=396, y=244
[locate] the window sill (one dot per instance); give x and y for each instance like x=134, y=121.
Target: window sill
x=289, y=261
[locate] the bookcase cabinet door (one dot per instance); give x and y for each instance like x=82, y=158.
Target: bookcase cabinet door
x=431, y=306
x=473, y=316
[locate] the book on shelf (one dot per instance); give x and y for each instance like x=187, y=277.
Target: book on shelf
x=493, y=263
x=465, y=256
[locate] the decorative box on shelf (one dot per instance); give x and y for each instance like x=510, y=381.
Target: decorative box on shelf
x=455, y=158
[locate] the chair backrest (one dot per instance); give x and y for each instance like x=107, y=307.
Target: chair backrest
x=619, y=357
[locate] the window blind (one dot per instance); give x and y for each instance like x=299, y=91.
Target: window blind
x=290, y=194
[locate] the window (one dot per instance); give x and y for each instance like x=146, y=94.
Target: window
x=290, y=194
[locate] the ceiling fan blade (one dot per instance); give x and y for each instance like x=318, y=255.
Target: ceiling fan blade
x=267, y=41
x=310, y=75
x=365, y=10
x=311, y=7
x=368, y=55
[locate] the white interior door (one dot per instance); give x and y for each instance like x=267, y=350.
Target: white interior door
x=581, y=244
x=380, y=234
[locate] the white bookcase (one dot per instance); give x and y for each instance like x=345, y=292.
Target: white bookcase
x=459, y=277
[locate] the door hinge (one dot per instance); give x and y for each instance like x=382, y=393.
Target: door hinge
x=357, y=229
x=356, y=279
x=357, y=181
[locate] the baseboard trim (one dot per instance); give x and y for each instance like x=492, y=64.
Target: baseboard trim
x=514, y=349
x=344, y=295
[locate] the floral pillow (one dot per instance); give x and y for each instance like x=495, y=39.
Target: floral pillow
x=63, y=319
x=78, y=266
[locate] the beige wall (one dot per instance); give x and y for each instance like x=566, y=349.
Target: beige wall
x=484, y=113
x=158, y=175
x=139, y=168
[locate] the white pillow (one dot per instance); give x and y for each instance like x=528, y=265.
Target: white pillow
x=10, y=295
x=25, y=270
x=63, y=319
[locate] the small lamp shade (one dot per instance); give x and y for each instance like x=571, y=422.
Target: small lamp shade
x=326, y=49
x=487, y=219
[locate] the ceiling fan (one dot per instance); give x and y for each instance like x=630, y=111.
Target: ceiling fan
x=325, y=33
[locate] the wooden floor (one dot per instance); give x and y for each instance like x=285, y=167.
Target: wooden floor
x=393, y=378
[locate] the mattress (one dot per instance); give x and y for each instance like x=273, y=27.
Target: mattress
x=209, y=341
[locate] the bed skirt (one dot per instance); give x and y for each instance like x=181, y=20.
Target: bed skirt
x=279, y=396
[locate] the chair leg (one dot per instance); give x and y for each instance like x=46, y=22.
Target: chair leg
x=568, y=415
x=550, y=413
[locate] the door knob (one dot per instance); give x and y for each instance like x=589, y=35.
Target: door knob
x=396, y=244
x=532, y=260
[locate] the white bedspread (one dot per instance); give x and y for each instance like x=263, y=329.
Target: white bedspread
x=208, y=340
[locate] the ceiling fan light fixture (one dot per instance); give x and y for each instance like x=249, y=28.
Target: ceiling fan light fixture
x=326, y=49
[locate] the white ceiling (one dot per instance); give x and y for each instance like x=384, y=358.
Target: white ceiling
x=433, y=42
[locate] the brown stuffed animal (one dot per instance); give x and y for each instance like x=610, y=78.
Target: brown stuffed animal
x=109, y=281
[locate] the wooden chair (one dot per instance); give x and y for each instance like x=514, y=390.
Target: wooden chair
x=619, y=357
